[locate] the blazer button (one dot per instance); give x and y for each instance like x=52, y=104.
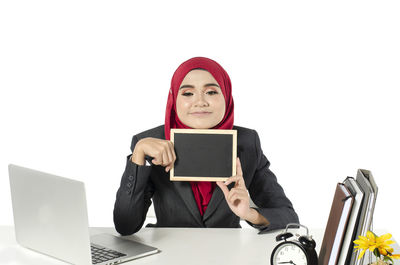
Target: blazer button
x=129, y=191
x=130, y=178
x=129, y=184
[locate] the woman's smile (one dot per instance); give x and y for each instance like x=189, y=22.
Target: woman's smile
x=201, y=113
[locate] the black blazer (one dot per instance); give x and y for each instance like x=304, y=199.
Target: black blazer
x=174, y=202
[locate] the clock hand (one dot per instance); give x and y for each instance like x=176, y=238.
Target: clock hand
x=287, y=262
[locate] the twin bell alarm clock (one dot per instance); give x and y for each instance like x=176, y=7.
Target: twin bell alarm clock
x=299, y=250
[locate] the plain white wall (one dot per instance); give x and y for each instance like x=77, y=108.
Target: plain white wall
x=318, y=80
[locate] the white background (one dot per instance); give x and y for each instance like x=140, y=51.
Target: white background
x=318, y=80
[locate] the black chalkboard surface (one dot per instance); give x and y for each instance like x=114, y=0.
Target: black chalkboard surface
x=203, y=155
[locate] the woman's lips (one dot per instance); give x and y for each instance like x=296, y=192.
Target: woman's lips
x=200, y=113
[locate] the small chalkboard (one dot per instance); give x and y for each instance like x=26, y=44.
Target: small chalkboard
x=204, y=155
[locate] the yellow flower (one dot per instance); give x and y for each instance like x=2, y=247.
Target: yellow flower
x=364, y=243
x=371, y=242
x=383, y=242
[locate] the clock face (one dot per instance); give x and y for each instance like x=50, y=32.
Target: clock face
x=288, y=253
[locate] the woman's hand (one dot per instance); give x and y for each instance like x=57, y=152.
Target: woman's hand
x=238, y=198
x=162, y=151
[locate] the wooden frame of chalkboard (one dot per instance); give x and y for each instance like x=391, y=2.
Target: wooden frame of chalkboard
x=221, y=163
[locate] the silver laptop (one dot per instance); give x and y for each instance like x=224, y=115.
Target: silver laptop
x=50, y=217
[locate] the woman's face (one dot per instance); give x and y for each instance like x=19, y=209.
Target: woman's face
x=200, y=103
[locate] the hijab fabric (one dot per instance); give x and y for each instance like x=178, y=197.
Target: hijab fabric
x=202, y=190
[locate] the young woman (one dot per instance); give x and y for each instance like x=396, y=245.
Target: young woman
x=200, y=98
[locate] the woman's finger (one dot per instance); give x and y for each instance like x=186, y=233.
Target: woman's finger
x=239, y=171
x=232, y=179
x=168, y=152
x=224, y=188
x=172, y=151
x=236, y=197
x=231, y=193
x=157, y=158
x=171, y=156
x=165, y=158
x=169, y=166
x=236, y=193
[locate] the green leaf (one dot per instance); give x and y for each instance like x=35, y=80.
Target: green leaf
x=386, y=258
x=376, y=253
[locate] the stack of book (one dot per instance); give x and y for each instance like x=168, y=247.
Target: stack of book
x=350, y=216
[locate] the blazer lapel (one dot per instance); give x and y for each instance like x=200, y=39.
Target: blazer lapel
x=185, y=191
x=218, y=195
x=216, y=199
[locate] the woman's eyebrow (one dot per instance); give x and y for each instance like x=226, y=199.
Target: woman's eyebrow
x=211, y=84
x=186, y=86
x=191, y=86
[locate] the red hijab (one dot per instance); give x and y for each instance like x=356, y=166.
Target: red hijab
x=202, y=190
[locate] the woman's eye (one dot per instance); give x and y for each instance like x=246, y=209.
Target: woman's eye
x=212, y=92
x=187, y=94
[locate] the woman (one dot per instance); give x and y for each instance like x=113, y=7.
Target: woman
x=200, y=98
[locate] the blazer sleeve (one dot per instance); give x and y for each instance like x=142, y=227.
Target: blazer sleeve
x=133, y=197
x=269, y=196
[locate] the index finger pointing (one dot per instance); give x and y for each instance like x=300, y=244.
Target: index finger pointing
x=239, y=171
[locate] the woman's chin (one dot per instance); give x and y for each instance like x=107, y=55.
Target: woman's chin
x=202, y=125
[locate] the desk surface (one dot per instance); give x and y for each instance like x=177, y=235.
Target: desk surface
x=177, y=245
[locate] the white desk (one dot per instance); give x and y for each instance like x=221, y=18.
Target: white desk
x=178, y=246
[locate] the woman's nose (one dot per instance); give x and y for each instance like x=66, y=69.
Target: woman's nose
x=201, y=101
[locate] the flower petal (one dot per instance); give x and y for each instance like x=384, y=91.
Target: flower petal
x=361, y=243
x=385, y=236
x=389, y=242
x=363, y=238
x=361, y=254
x=370, y=235
x=372, y=248
x=383, y=251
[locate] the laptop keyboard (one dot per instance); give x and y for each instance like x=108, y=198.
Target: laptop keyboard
x=102, y=254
